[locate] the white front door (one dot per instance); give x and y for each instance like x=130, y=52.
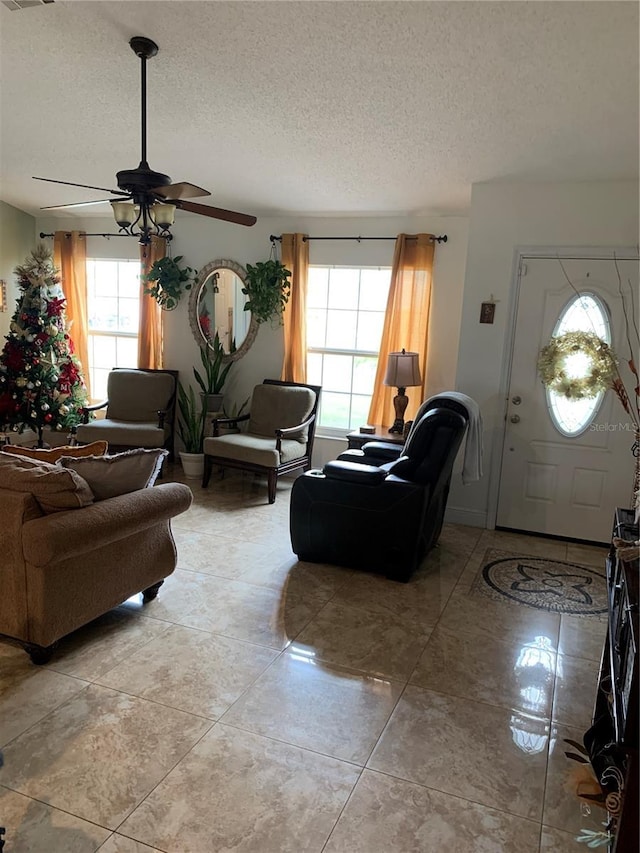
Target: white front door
x=552, y=481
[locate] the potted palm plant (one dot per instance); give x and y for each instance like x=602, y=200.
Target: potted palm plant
x=215, y=374
x=191, y=424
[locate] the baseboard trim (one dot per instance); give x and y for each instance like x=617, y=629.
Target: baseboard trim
x=471, y=517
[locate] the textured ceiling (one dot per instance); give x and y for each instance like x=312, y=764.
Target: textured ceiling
x=319, y=107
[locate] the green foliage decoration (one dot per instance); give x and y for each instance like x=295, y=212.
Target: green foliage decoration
x=268, y=287
x=191, y=422
x=167, y=280
x=215, y=372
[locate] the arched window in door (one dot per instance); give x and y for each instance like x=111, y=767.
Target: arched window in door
x=585, y=312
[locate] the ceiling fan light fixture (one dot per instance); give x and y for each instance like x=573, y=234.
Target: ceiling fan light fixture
x=163, y=215
x=125, y=213
x=147, y=199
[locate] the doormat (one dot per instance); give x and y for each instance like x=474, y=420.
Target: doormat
x=542, y=583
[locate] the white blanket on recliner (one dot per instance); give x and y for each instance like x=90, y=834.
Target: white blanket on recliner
x=472, y=463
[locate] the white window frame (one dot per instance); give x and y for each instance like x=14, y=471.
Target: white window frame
x=96, y=333
x=340, y=432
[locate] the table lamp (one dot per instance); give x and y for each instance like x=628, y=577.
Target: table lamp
x=403, y=371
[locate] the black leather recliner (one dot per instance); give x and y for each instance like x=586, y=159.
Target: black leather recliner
x=380, y=518
x=380, y=452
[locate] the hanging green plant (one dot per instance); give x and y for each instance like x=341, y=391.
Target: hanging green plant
x=166, y=281
x=598, y=374
x=268, y=287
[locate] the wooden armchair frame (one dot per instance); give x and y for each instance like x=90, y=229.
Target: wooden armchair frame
x=304, y=461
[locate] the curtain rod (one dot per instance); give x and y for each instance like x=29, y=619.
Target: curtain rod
x=273, y=237
x=68, y=234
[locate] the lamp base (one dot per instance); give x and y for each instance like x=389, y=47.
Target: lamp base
x=400, y=402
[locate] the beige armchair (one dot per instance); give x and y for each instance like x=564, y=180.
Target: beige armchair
x=140, y=411
x=279, y=437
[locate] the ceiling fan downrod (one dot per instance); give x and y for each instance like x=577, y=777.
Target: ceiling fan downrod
x=143, y=48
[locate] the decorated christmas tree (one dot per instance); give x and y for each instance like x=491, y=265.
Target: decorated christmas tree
x=41, y=382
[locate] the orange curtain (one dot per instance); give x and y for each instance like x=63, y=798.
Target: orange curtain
x=406, y=321
x=70, y=257
x=150, y=322
x=295, y=257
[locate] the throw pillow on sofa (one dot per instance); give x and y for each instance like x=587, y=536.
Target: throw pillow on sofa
x=96, y=448
x=110, y=476
x=54, y=488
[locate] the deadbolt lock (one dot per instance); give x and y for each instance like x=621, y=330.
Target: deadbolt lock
x=516, y=400
x=515, y=419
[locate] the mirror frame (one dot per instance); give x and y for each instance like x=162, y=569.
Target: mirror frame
x=194, y=298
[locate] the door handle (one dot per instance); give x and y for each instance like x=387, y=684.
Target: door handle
x=515, y=419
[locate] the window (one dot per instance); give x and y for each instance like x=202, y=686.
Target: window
x=345, y=316
x=113, y=295
x=585, y=312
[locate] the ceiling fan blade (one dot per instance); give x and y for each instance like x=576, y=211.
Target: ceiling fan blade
x=180, y=190
x=76, y=204
x=86, y=186
x=215, y=212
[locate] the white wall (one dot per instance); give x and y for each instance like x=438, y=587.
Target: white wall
x=504, y=217
x=202, y=240
x=16, y=241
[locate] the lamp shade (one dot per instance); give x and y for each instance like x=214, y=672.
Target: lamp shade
x=403, y=370
x=163, y=214
x=124, y=212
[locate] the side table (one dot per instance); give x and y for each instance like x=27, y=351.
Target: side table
x=356, y=438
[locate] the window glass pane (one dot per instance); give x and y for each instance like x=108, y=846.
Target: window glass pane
x=369, y=331
x=314, y=368
x=104, y=351
x=128, y=315
x=129, y=280
x=113, y=291
x=345, y=312
x=364, y=374
x=336, y=375
x=127, y=352
x=341, y=329
x=572, y=417
x=343, y=288
x=374, y=289
x=334, y=409
x=91, y=279
x=99, y=384
x=317, y=287
x=104, y=314
x=359, y=410
x=586, y=313
x=316, y=327
x=106, y=278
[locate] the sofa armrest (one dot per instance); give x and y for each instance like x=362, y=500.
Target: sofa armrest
x=86, y=410
x=61, y=535
x=353, y=472
x=383, y=450
x=217, y=422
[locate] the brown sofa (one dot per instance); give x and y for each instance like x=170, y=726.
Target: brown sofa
x=59, y=571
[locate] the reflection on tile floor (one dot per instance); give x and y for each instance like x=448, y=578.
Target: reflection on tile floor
x=265, y=704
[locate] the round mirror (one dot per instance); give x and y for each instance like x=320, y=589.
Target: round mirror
x=216, y=306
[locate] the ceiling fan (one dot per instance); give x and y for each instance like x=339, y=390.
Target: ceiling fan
x=146, y=199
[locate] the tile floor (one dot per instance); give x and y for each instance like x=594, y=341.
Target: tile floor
x=262, y=704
